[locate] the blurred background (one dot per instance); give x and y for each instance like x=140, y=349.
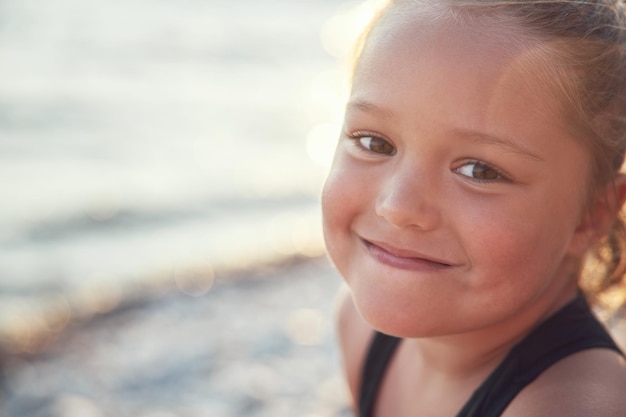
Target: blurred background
x=153, y=148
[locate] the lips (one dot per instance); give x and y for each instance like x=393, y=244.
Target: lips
x=404, y=258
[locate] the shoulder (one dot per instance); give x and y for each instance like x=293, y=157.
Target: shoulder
x=588, y=383
x=354, y=337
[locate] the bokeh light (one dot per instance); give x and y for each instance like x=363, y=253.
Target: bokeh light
x=194, y=281
x=321, y=142
x=304, y=326
x=339, y=33
x=76, y=406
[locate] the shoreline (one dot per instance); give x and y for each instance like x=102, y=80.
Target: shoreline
x=41, y=319
x=260, y=342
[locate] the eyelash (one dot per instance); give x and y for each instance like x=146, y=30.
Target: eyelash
x=358, y=136
x=501, y=176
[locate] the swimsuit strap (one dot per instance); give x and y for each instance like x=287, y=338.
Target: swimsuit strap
x=382, y=348
x=571, y=329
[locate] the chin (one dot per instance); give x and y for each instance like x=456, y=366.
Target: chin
x=396, y=318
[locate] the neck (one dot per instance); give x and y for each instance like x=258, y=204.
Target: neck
x=475, y=354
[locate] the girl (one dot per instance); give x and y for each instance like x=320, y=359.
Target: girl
x=477, y=169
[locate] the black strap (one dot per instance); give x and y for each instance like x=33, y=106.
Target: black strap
x=382, y=348
x=572, y=329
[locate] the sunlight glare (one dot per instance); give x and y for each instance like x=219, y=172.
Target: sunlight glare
x=306, y=235
x=321, y=141
x=340, y=32
x=327, y=94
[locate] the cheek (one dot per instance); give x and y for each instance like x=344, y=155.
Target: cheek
x=523, y=242
x=330, y=204
x=344, y=192
x=336, y=208
x=345, y=198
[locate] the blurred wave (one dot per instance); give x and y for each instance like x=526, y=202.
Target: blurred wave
x=139, y=137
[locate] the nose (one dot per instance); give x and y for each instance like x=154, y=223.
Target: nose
x=409, y=199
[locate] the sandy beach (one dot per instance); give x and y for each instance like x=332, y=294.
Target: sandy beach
x=259, y=343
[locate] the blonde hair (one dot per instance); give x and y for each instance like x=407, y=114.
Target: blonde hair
x=585, y=47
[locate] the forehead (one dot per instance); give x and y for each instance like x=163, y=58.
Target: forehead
x=477, y=63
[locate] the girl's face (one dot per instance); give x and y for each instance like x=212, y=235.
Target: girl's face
x=455, y=201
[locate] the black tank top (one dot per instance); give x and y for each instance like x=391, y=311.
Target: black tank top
x=571, y=329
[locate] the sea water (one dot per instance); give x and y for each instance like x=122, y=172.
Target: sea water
x=139, y=138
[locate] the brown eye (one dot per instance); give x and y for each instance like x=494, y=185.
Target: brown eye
x=479, y=171
x=377, y=145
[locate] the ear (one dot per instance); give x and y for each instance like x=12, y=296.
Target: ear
x=599, y=217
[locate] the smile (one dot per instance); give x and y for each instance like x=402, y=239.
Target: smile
x=403, y=259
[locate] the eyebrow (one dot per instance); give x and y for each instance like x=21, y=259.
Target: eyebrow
x=510, y=145
x=368, y=107
x=474, y=136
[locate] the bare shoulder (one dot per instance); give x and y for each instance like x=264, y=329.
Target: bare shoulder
x=354, y=336
x=588, y=383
